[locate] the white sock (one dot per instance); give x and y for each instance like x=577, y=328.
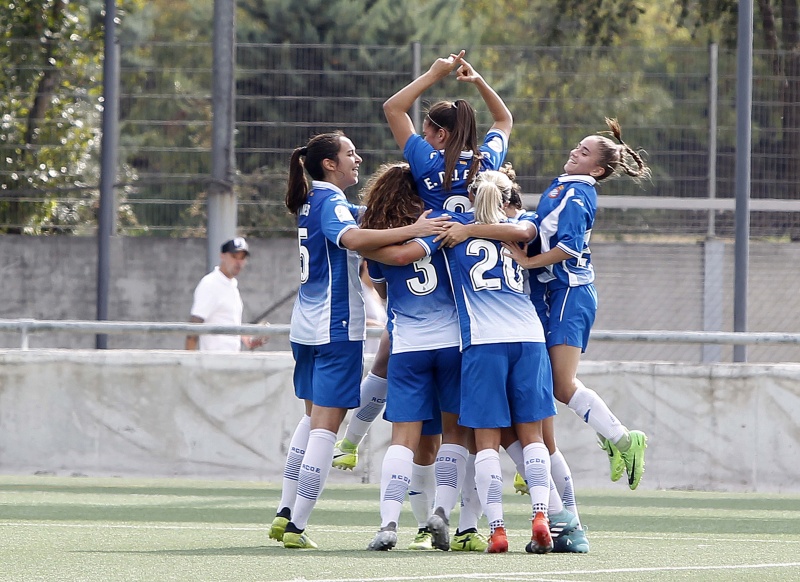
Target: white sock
x=514, y=451
x=489, y=482
x=373, y=401
x=587, y=404
x=395, y=477
x=470, y=500
x=537, y=474
x=555, y=505
x=297, y=448
x=562, y=477
x=451, y=466
x=313, y=474
x=422, y=492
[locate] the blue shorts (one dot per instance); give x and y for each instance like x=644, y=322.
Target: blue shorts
x=329, y=374
x=505, y=384
x=571, y=316
x=423, y=384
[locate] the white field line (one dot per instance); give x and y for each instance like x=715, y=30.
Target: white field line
x=558, y=575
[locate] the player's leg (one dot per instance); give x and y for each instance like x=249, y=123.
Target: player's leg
x=422, y=490
x=337, y=368
x=373, y=400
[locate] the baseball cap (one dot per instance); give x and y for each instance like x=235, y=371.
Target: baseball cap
x=235, y=245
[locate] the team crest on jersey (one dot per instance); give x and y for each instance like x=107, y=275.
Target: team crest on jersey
x=556, y=191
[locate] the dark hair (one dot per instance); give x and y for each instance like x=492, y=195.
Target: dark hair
x=324, y=146
x=612, y=156
x=458, y=118
x=391, y=198
x=515, y=199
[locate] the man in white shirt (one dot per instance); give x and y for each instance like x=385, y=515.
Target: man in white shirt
x=217, y=301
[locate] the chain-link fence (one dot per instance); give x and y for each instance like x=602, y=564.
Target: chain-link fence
x=286, y=93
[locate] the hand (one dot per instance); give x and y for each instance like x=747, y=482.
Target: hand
x=516, y=253
x=425, y=226
x=467, y=73
x=454, y=233
x=444, y=66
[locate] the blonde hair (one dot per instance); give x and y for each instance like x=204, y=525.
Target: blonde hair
x=491, y=189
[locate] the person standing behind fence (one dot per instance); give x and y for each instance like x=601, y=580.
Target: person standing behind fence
x=328, y=324
x=563, y=292
x=217, y=301
x=446, y=157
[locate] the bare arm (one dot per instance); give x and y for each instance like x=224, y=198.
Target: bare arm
x=397, y=106
x=193, y=341
x=366, y=239
x=396, y=255
x=512, y=232
x=551, y=257
x=503, y=120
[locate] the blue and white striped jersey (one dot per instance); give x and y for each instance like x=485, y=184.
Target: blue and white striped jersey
x=566, y=215
x=329, y=305
x=427, y=167
x=420, y=307
x=488, y=289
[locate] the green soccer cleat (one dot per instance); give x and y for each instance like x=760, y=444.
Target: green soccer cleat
x=298, y=541
x=469, y=541
x=614, y=458
x=574, y=542
x=634, y=458
x=345, y=455
x=520, y=486
x=278, y=528
x=422, y=541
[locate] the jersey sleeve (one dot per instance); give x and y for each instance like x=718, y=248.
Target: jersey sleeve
x=375, y=271
x=336, y=218
x=494, y=149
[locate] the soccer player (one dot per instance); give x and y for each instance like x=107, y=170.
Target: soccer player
x=505, y=370
x=563, y=291
x=446, y=157
x=328, y=319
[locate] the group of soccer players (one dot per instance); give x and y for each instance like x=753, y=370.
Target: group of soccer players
x=489, y=309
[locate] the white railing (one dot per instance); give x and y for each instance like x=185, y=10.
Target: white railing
x=25, y=327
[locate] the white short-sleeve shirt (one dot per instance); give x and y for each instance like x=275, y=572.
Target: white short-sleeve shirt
x=217, y=301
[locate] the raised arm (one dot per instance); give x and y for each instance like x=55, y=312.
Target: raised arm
x=397, y=106
x=503, y=120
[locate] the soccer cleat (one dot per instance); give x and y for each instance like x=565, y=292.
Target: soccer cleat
x=345, y=455
x=562, y=523
x=385, y=539
x=614, y=458
x=498, y=542
x=520, y=486
x=541, y=540
x=277, y=528
x=299, y=541
x=469, y=541
x=439, y=526
x=634, y=458
x=574, y=542
x=422, y=541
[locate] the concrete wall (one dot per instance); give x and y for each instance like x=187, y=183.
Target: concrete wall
x=641, y=287
x=728, y=427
